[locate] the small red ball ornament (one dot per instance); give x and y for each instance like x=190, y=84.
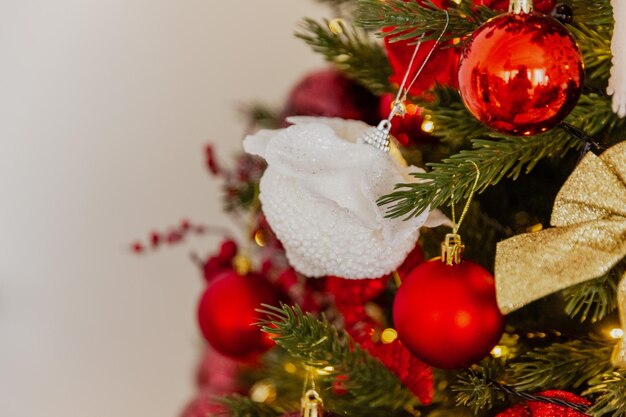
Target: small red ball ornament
x=521, y=74
x=544, y=409
x=226, y=314
x=447, y=316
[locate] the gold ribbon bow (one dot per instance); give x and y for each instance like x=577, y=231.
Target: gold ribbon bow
x=587, y=240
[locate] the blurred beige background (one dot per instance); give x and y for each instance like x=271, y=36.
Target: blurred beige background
x=105, y=106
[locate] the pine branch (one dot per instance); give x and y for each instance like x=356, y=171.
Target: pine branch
x=451, y=180
x=409, y=20
x=593, y=13
x=454, y=124
x=352, y=52
x=561, y=365
x=240, y=406
x=595, y=45
x=595, y=299
x=318, y=343
x=475, y=388
x=610, y=389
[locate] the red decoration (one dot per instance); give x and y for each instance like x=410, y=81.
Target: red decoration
x=328, y=93
x=355, y=292
x=441, y=68
x=226, y=314
x=407, y=129
x=521, y=74
x=447, y=315
x=544, y=409
x=413, y=373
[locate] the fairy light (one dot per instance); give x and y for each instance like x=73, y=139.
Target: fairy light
x=428, y=126
x=499, y=351
x=616, y=333
x=259, y=238
x=388, y=336
x=263, y=392
x=290, y=368
x=326, y=370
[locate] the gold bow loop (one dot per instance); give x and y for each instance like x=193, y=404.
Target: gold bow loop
x=587, y=240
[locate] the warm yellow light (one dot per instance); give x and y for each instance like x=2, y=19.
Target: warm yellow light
x=388, y=336
x=411, y=108
x=263, y=392
x=457, y=1
x=499, y=351
x=325, y=371
x=616, y=333
x=259, y=238
x=290, y=368
x=428, y=126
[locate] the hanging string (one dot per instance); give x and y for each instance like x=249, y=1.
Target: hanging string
x=403, y=91
x=456, y=226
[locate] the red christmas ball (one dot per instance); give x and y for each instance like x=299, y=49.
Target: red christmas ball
x=226, y=314
x=521, y=74
x=545, y=409
x=441, y=68
x=328, y=93
x=447, y=316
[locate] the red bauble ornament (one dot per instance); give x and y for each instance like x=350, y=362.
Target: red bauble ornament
x=447, y=316
x=544, y=409
x=226, y=314
x=441, y=68
x=329, y=93
x=521, y=74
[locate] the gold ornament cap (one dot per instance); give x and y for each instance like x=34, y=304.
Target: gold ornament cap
x=312, y=404
x=452, y=249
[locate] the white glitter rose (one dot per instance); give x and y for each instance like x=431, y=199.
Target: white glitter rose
x=319, y=195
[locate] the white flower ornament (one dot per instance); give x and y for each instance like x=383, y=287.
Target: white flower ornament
x=319, y=195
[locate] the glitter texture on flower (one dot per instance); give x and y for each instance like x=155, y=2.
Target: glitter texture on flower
x=319, y=195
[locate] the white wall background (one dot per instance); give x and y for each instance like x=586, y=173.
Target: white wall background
x=104, y=109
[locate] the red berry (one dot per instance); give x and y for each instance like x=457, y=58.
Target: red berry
x=228, y=250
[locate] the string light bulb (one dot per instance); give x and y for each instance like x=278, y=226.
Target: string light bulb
x=388, y=336
x=616, y=333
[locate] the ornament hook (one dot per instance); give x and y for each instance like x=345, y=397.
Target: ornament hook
x=379, y=136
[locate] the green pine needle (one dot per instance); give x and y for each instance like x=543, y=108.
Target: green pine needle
x=593, y=300
x=561, y=365
x=319, y=344
x=352, y=52
x=609, y=392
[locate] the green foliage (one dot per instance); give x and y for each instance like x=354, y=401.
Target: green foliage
x=411, y=19
x=595, y=45
x=609, y=390
x=594, y=299
x=319, y=344
x=560, y=365
x=352, y=52
x=476, y=388
x=240, y=406
x=451, y=180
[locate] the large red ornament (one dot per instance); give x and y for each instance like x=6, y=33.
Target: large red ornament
x=521, y=74
x=447, y=316
x=226, y=314
x=544, y=409
x=329, y=93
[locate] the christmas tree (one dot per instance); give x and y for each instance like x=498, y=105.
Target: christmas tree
x=463, y=258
